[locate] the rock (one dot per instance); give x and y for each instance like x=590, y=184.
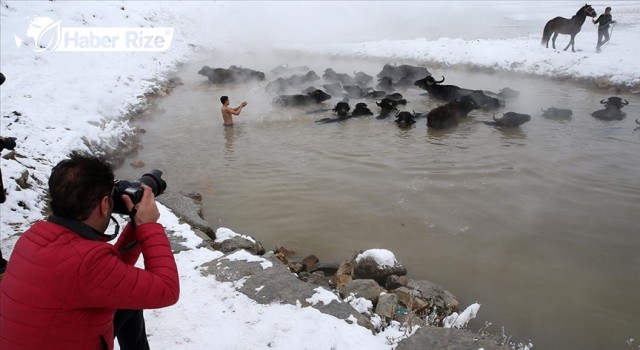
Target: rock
x=228, y=241
x=310, y=262
x=319, y=279
x=275, y=284
x=411, y=299
x=187, y=210
x=137, y=163
x=429, y=337
x=394, y=282
x=345, y=271
x=368, y=289
x=366, y=267
x=237, y=243
x=387, y=304
x=23, y=180
x=436, y=296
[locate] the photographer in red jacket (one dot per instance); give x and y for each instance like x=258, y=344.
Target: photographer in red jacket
x=67, y=287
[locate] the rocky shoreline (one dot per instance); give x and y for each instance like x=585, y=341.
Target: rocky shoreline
x=283, y=276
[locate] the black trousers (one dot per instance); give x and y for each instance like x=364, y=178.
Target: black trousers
x=128, y=327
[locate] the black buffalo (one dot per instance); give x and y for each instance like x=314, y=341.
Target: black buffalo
x=557, y=113
x=285, y=69
x=371, y=93
x=510, y=120
x=449, y=115
x=405, y=119
x=612, y=109
x=341, y=109
x=362, y=78
x=315, y=97
x=385, y=84
x=342, y=78
x=354, y=91
x=361, y=110
x=281, y=85
x=387, y=106
x=334, y=89
x=233, y=74
x=452, y=92
x=403, y=74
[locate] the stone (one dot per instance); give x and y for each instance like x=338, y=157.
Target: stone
x=137, y=163
x=310, y=262
x=446, y=302
x=238, y=242
x=368, y=289
x=368, y=268
x=394, y=282
x=188, y=210
x=387, y=304
x=411, y=299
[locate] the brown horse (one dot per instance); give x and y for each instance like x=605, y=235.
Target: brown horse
x=561, y=25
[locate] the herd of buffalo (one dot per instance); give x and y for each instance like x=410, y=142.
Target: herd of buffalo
x=294, y=87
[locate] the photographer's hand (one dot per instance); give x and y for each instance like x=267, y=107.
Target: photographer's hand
x=146, y=209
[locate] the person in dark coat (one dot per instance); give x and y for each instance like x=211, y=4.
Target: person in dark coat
x=604, y=22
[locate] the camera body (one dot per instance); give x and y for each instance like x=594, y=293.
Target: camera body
x=133, y=189
x=7, y=143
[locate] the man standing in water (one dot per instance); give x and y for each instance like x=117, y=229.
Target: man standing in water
x=228, y=112
x=603, y=27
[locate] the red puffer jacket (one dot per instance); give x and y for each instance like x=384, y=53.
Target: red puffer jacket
x=60, y=290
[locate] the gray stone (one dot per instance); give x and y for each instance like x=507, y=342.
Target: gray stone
x=429, y=337
x=411, y=299
x=387, y=304
x=368, y=289
x=188, y=210
x=238, y=242
x=276, y=284
x=394, y=282
x=446, y=302
x=368, y=268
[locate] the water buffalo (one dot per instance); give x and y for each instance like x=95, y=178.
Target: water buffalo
x=405, y=119
x=342, y=78
x=452, y=92
x=387, y=107
x=362, y=78
x=342, y=108
x=557, y=113
x=508, y=93
x=354, y=91
x=281, y=85
x=449, y=115
x=510, y=120
x=404, y=74
x=233, y=74
x=612, y=109
x=371, y=93
x=334, y=89
x=361, y=110
x=285, y=69
x=315, y=97
x=385, y=84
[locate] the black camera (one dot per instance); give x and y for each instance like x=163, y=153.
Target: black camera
x=134, y=190
x=8, y=143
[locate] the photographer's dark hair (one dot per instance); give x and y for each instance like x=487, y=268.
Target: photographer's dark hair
x=78, y=184
x=224, y=99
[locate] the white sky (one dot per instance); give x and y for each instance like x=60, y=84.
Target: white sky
x=68, y=97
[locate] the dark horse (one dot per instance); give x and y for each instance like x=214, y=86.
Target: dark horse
x=561, y=25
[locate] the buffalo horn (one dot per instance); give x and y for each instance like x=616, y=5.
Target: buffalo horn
x=637, y=122
x=440, y=80
x=602, y=101
x=625, y=102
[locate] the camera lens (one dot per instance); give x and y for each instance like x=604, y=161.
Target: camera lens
x=8, y=143
x=153, y=179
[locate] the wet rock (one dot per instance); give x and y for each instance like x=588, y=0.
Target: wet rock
x=310, y=262
x=137, y=163
x=319, y=279
x=435, y=295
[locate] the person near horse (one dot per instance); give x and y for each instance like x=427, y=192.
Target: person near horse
x=67, y=287
x=228, y=112
x=603, y=22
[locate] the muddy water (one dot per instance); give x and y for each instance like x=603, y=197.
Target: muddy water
x=538, y=224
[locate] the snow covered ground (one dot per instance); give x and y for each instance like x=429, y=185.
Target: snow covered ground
x=77, y=100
